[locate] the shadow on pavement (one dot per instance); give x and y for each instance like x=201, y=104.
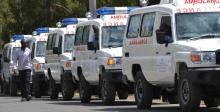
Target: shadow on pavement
x=127, y=109
x=153, y=109
x=93, y=103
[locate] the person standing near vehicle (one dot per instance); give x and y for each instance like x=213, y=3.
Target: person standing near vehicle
x=22, y=57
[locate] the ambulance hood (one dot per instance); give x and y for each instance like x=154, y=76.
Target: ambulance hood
x=112, y=52
x=66, y=56
x=200, y=44
x=39, y=60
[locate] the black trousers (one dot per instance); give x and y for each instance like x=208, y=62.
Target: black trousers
x=25, y=76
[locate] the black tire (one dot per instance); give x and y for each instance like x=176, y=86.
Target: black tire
x=36, y=87
x=211, y=102
x=5, y=88
x=54, y=90
x=189, y=94
x=85, y=90
x=67, y=89
x=172, y=99
x=12, y=88
x=122, y=94
x=143, y=92
x=108, y=91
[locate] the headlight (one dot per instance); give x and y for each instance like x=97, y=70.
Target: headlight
x=203, y=57
x=39, y=66
x=113, y=61
x=67, y=64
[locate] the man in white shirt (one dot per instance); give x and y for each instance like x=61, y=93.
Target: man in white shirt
x=22, y=58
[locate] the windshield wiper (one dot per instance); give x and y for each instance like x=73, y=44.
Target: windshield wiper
x=114, y=46
x=205, y=36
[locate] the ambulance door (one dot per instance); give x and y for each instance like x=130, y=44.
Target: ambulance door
x=88, y=55
x=93, y=47
x=6, y=62
x=139, y=47
x=164, y=54
x=58, y=45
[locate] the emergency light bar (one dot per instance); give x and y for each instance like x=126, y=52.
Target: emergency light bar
x=17, y=37
x=42, y=30
x=114, y=10
x=70, y=21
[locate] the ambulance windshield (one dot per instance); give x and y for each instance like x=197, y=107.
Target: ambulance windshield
x=197, y=25
x=112, y=36
x=68, y=42
x=41, y=48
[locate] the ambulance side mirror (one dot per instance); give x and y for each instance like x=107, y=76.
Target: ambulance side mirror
x=7, y=60
x=55, y=50
x=90, y=46
x=160, y=36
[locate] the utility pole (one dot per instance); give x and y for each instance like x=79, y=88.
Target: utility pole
x=92, y=7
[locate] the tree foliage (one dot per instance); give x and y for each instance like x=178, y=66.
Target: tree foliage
x=23, y=16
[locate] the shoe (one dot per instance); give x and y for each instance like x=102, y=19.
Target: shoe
x=29, y=98
x=22, y=99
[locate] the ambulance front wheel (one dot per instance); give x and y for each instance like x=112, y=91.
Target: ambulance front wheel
x=12, y=87
x=143, y=92
x=67, y=87
x=53, y=89
x=84, y=90
x=107, y=90
x=36, y=87
x=189, y=93
x=211, y=102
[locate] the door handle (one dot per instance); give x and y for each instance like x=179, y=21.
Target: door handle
x=157, y=52
x=126, y=54
x=168, y=53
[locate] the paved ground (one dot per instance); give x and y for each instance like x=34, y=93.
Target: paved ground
x=13, y=104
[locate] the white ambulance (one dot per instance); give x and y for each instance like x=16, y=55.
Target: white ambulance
x=98, y=52
x=58, y=59
x=174, y=47
x=11, y=80
x=37, y=45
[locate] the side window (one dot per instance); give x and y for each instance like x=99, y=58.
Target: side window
x=9, y=53
x=78, y=37
x=60, y=43
x=134, y=26
x=49, y=42
x=54, y=41
x=96, y=33
x=147, y=25
x=86, y=32
x=32, y=50
x=5, y=52
x=165, y=26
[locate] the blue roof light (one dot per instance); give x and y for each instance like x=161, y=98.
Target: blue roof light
x=114, y=10
x=69, y=21
x=17, y=37
x=42, y=30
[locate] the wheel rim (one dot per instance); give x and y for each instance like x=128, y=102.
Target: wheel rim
x=139, y=90
x=185, y=91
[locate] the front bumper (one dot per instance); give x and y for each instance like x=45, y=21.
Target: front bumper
x=67, y=76
x=205, y=77
x=40, y=76
x=114, y=75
